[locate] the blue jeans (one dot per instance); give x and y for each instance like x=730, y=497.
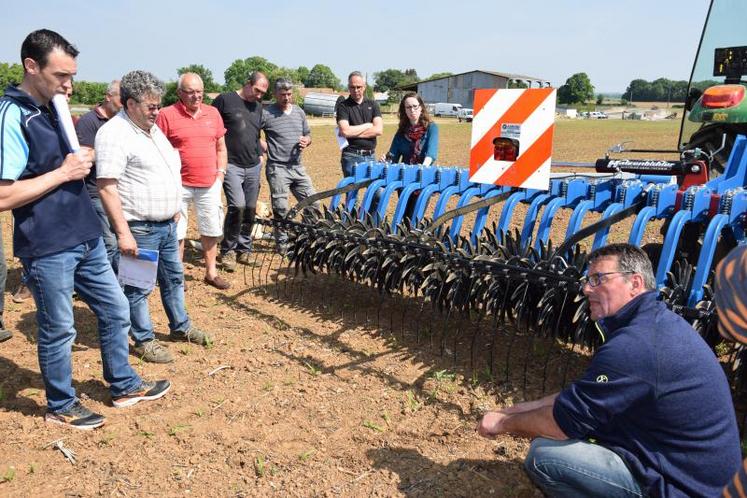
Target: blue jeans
x=159, y=236
x=574, y=468
x=241, y=186
x=350, y=159
x=51, y=279
x=110, y=240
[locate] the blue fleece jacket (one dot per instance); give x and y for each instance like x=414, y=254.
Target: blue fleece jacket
x=656, y=395
x=32, y=144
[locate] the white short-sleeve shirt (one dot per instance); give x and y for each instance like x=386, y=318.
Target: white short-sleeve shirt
x=147, y=169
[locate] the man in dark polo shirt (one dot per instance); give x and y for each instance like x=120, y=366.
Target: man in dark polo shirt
x=86, y=128
x=360, y=123
x=57, y=236
x=242, y=116
x=651, y=415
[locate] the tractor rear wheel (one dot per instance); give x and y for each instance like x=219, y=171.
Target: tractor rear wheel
x=709, y=138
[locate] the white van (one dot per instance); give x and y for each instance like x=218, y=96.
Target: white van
x=446, y=109
x=465, y=113
x=596, y=115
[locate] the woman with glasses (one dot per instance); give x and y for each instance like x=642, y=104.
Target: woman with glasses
x=416, y=140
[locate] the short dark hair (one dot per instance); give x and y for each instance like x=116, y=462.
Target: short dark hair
x=631, y=259
x=255, y=76
x=38, y=44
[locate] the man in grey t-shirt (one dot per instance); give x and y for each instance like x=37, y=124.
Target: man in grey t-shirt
x=288, y=134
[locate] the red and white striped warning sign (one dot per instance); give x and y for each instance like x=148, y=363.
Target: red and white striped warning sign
x=512, y=134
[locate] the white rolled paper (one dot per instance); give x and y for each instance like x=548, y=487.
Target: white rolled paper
x=66, y=120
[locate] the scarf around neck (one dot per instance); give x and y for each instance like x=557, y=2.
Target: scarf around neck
x=415, y=135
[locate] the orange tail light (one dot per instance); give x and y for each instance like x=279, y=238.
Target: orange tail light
x=721, y=96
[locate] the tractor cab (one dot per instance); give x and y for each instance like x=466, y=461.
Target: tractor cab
x=716, y=107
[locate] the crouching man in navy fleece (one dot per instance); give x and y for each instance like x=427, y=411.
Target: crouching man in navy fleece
x=651, y=416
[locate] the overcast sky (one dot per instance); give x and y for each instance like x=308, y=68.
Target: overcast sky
x=612, y=41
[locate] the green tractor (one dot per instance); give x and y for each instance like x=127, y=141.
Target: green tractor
x=716, y=108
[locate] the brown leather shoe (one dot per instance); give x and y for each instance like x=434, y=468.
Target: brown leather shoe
x=218, y=282
x=21, y=294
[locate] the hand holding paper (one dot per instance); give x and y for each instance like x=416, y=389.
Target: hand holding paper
x=139, y=271
x=77, y=166
x=342, y=142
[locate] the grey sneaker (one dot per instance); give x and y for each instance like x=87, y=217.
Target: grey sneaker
x=77, y=416
x=244, y=258
x=154, y=352
x=193, y=335
x=228, y=260
x=148, y=391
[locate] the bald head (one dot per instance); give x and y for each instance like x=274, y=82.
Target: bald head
x=190, y=91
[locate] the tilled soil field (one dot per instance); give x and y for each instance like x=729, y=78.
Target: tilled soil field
x=314, y=387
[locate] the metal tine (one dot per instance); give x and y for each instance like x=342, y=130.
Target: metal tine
x=550, y=350
x=261, y=267
x=283, y=262
x=269, y=267
x=476, y=334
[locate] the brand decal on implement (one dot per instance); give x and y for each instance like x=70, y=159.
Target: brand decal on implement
x=602, y=378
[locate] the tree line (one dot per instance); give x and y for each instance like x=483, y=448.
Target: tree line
x=662, y=90
x=319, y=76
x=578, y=89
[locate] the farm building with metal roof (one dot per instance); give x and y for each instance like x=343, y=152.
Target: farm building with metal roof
x=460, y=88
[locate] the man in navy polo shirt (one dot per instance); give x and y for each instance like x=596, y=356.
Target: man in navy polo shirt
x=652, y=414
x=86, y=128
x=57, y=235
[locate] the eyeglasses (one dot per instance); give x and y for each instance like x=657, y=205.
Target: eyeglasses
x=191, y=92
x=597, y=279
x=150, y=107
x=412, y=107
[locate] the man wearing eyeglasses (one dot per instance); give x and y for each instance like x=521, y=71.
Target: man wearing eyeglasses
x=197, y=132
x=359, y=120
x=652, y=414
x=139, y=179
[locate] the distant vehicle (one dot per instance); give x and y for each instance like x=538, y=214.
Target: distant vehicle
x=445, y=109
x=465, y=113
x=596, y=115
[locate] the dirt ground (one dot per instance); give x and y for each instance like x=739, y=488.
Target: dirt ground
x=314, y=387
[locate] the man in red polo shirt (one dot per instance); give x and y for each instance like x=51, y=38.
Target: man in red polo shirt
x=197, y=132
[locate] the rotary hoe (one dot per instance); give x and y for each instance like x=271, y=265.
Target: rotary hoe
x=502, y=292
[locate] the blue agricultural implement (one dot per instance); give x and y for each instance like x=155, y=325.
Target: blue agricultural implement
x=507, y=292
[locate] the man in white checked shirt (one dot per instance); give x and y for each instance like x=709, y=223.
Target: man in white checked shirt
x=140, y=184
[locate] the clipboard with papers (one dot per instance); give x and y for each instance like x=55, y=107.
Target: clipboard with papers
x=139, y=271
